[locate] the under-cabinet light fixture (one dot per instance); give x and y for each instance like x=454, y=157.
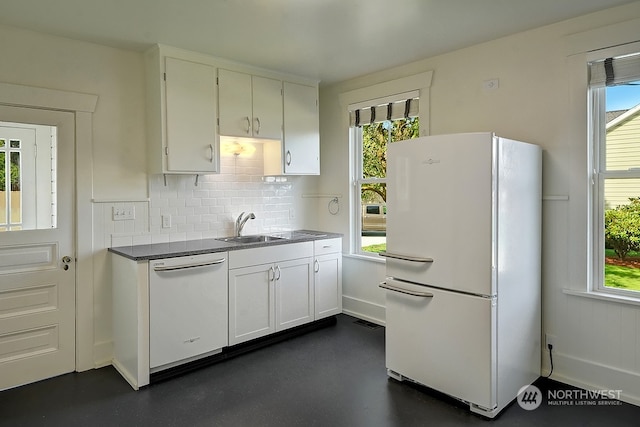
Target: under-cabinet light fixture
x=236, y=148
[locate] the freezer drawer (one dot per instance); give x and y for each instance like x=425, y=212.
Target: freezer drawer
x=444, y=340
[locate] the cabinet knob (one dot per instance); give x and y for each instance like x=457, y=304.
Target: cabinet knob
x=248, y=130
x=256, y=128
x=288, y=157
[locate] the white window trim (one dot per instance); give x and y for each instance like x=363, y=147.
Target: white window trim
x=420, y=82
x=580, y=49
x=598, y=175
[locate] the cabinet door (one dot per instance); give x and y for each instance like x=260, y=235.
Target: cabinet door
x=328, y=285
x=191, y=111
x=267, y=108
x=235, y=103
x=294, y=293
x=251, y=303
x=301, y=130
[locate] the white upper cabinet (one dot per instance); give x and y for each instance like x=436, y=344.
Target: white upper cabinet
x=192, y=141
x=250, y=106
x=193, y=99
x=300, y=152
x=181, y=117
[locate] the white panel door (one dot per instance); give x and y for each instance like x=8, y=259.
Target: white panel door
x=251, y=303
x=440, y=207
x=294, y=293
x=37, y=288
x=444, y=340
x=191, y=114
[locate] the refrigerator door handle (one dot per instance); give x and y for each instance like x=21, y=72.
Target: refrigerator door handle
x=405, y=257
x=384, y=285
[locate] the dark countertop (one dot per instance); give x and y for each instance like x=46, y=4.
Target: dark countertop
x=204, y=246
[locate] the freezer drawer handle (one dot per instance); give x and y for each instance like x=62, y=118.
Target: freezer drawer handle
x=405, y=291
x=405, y=257
x=184, y=266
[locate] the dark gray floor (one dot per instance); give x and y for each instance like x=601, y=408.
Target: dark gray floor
x=331, y=377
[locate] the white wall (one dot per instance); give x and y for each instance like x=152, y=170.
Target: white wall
x=119, y=164
x=597, y=342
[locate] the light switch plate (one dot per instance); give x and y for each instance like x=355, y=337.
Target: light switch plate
x=122, y=212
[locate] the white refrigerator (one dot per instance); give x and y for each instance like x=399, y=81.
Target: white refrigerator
x=463, y=292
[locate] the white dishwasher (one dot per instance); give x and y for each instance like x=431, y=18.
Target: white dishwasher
x=188, y=305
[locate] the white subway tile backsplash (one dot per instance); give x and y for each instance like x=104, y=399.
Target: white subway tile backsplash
x=207, y=210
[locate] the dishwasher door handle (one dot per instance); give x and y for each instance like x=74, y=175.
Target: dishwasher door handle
x=384, y=285
x=185, y=266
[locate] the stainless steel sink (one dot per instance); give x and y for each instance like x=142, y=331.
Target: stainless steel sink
x=251, y=239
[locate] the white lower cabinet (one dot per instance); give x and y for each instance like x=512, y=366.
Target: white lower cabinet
x=251, y=303
x=294, y=293
x=327, y=267
x=273, y=295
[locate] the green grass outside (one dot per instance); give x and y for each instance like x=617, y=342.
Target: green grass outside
x=622, y=277
x=380, y=247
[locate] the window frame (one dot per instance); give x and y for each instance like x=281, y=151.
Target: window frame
x=356, y=136
x=420, y=82
x=598, y=175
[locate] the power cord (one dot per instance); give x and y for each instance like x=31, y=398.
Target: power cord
x=550, y=347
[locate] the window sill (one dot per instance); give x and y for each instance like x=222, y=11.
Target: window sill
x=371, y=258
x=603, y=296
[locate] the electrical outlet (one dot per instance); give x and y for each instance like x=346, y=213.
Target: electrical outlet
x=166, y=221
x=492, y=84
x=549, y=340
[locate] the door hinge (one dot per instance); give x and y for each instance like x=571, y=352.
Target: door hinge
x=164, y=75
x=166, y=151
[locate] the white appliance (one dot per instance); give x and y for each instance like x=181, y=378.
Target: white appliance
x=463, y=265
x=188, y=308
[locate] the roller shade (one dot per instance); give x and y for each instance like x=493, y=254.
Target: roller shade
x=613, y=71
x=389, y=108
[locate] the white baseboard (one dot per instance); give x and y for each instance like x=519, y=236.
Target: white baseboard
x=102, y=354
x=365, y=310
x=590, y=375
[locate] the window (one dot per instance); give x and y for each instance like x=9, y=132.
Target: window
x=10, y=184
x=27, y=176
x=614, y=88
x=373, y=128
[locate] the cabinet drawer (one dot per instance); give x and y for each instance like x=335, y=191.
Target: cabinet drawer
x=269, y=254
x=327, y=246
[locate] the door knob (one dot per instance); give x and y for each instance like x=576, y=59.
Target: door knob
x=66, y=260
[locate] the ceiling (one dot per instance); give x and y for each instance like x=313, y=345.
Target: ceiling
x=327, y=40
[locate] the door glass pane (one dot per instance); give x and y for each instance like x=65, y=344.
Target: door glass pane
x=27, y=176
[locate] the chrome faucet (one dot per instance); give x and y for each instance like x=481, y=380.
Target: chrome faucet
x=240, y=222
